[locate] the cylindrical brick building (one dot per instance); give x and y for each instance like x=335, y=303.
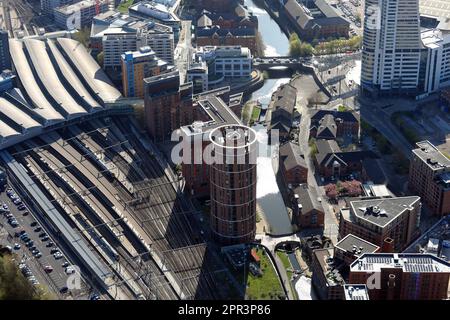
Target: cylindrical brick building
x=233, y=184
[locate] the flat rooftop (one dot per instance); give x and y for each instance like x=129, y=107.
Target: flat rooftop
x=430, y=155
x=356, y=245
x=327, y=264
x=356, y=292
x=408, y=262
x=435, y=8
x=382, y=211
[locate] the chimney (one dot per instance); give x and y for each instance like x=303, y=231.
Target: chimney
x=388, y=245
x=391, y=288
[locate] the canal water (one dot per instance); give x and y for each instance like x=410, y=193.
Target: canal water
x=269, y=199
x=276, y=44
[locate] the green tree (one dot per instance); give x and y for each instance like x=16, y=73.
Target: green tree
x=14, y=286
x=297, y=48
x=101, y=58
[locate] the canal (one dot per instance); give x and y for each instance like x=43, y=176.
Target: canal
x=276, y=44
x=269, y=199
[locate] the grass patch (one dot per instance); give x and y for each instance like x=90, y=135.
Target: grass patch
x=255, y=114
x=267, y=286
x=342, y=108
x=123, y=7
x=313, y=147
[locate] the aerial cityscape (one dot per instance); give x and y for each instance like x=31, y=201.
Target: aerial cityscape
x=246, y=150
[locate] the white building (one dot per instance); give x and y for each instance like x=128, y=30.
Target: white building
x=436, y=60
x=80, y=14
x=227, y=61
x=115, y=33
x=391, y=46
x=157, y=11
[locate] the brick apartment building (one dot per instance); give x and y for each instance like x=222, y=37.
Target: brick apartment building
x=402, y=276
x=216, y=36
x=231, y=177
x=293, y=168
x=378, y=219
x=218, y=103
x=328, y=124
x=315, y=19
x=429, y=177
x=307, y=210
x=168, y=105
x=331, y=161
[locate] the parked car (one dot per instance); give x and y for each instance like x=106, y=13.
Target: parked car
x=48, y=269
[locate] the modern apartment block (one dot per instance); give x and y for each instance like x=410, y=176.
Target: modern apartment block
x=137, y=65
x=226, y=61
x=168, y=105
x=391, y=47
x=402, y=276
x=435, y=68
x=377, y=220
x=5, y=56
x=429, y=177
x=115, y=33
x=79, y=14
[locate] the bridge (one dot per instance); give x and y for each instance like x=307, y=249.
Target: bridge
x=265, y=63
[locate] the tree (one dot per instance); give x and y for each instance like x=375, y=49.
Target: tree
x=101, y=58
x=14, y=286
x=83, y=36
x=297, y=48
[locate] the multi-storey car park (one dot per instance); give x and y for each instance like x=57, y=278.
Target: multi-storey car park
x=71, y=148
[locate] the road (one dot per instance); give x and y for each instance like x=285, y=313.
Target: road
x=381, y=120
x=183, y=51
x=331, y=223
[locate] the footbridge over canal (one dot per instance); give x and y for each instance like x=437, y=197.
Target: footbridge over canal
x=265, y=63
